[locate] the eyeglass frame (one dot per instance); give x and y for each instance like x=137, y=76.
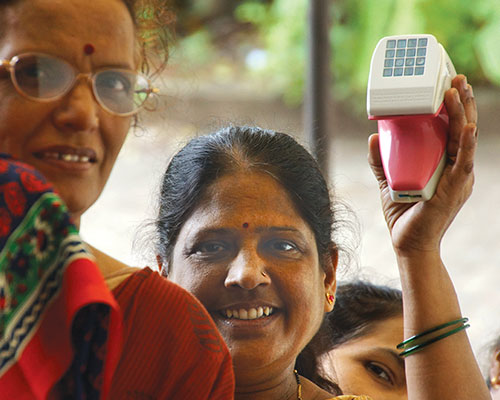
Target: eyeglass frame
x=10, y=65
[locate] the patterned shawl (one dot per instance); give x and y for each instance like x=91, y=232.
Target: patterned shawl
x=60, y=327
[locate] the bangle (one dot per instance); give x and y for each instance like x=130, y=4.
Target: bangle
x=420, y=346
x=412, y=339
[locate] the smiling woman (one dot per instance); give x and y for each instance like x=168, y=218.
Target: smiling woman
x=246, y=224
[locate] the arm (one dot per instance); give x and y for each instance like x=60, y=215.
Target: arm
x=446, y=369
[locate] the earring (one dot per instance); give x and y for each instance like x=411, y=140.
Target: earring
x=495, y=382
x=330, y=298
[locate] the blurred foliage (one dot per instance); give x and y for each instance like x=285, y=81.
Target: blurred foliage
x=469, y=31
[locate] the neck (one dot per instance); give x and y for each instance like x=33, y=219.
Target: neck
x=76, y=220
x=280, y=388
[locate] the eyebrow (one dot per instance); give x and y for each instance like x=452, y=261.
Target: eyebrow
x=277, y=229
x=394, y=354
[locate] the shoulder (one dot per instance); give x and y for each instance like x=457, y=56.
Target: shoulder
x=168, y=332
x=147, y=296
x=113, y=271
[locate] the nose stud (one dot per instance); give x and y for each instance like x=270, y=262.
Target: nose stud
x=263, y=274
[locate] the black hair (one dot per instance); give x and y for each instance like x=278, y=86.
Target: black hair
x=359, y=306
x=208, y=157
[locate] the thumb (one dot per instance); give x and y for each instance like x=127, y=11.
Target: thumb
x=374, y=158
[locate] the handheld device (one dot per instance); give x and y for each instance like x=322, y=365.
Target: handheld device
x=409, y=75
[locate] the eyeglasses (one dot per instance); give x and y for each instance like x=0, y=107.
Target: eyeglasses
x=41, y=77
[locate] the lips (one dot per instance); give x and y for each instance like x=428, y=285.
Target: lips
x=67, y=154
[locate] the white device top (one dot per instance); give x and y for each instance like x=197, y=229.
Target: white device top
x=408, y=75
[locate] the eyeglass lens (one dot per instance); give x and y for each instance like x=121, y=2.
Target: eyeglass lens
x=44, y=77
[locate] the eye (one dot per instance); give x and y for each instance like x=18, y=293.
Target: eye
x=379, y=372
x=282, y=248
x=113, y=81
x=282, y=245
x=33, y=70
x=210, y=250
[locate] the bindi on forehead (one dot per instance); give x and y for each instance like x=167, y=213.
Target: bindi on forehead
x=245, y=225
x=89, y=49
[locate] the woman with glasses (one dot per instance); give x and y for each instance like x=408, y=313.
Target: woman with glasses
x=69, y=89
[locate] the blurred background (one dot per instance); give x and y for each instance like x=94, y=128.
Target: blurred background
x=244, y=62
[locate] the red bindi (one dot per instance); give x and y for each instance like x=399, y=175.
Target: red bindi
x=245, y=225
x=88, y=49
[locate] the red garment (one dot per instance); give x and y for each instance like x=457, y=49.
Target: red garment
x=171, y=347
x=55, y=308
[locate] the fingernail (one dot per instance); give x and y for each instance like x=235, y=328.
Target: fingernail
x=464, y=84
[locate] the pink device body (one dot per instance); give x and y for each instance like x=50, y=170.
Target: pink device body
x=409, y=75
x=413, y=152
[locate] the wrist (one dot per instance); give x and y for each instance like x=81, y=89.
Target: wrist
x=417, y=254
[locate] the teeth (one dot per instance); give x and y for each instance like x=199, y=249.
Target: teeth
x=252, y=313
x=67, y=157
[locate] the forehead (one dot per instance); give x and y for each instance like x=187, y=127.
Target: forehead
x=387, y=332
x=63, y=27
x=255, y=197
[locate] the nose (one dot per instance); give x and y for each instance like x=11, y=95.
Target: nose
x=77, y=110
x=247, y=271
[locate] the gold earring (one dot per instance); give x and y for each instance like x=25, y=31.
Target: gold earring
x=330, y=298
x=495, y=382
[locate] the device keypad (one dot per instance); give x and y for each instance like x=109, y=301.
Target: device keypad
x=405, y=57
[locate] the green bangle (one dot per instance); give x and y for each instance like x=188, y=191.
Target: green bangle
x=419, y=347
x=432, y=330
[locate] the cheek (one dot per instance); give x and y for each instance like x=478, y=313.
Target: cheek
x=201, y=283
x=114, y=132
x=15, y=127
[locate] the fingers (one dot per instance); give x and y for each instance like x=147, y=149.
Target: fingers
x=466, y=97
x=464, y=164
x=461, y=107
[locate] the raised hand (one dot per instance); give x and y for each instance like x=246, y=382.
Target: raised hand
x=417, y=227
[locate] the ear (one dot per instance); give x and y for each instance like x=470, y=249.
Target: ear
x=330, y=280
x=495, y=371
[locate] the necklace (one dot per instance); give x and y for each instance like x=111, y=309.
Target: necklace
x=299, y=386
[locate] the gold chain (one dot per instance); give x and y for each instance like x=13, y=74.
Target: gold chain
x=299, y=386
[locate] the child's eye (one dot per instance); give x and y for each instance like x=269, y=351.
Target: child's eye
x=379, y=371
